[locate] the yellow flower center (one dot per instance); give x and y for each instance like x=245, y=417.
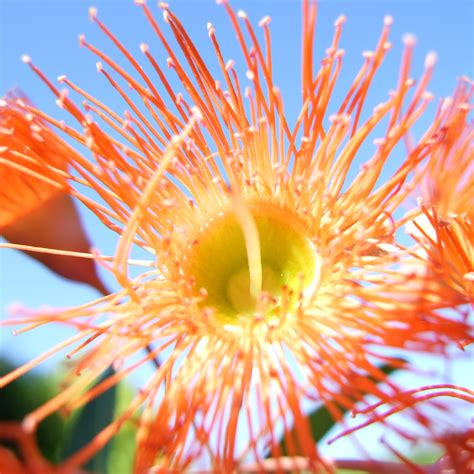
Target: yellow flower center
x=236, y=269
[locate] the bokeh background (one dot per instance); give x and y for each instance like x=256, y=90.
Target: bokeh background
x=48, y=31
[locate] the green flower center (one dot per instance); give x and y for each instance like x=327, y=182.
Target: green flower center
x=219, y=260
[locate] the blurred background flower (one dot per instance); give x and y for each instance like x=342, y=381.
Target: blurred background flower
x=35, y=212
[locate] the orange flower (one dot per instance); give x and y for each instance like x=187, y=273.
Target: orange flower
x=272, y=279
x=34, y=209
x=22, y=134
x=446, y=229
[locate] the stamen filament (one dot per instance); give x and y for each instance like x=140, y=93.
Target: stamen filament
x=69, y=253
x=252, y=244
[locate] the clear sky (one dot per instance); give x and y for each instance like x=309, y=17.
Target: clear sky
x=48, y=31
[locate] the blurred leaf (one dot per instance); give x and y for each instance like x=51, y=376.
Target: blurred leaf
x=94, y=417
x=25, y=395
x=426, y=455
x=321, y=420
x=123, y=445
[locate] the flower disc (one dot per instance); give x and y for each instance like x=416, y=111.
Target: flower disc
x=218, y=260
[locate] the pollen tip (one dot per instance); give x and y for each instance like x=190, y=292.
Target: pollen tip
x=343, y=119
x=197, y=114
x=3, y=103
x=166, y=16
x=82, y=40
x=92, y=13
x=428, y=96
x=446, y=103
x=430, y=59
x=99, y=66
x=144, y=48
x=140, y=2
x=409, y=39
x=62, y=78
x=229, y=64
x=378, y=108
x=28, y=424
x=242, y=14
x=210, y=29
x=340, y=20
x=250, y=75
x=163, y=5
x=3, y=149
x=266, y=20
x=388, y=20
x=221, y=2
x=26, y=59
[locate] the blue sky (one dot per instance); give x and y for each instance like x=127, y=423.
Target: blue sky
x=48, y=31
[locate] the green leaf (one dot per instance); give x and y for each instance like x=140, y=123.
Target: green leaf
x=94, y=417
x=23, y=396
x=123, y=445
x=321, y=420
